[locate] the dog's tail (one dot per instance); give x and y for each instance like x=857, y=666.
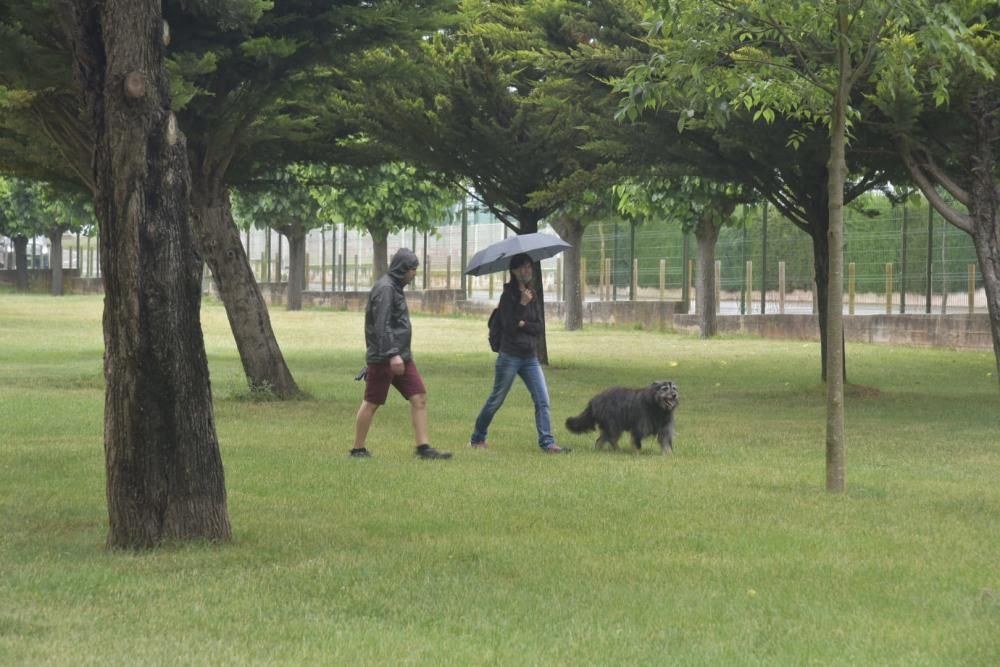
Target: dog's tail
x=582, y=423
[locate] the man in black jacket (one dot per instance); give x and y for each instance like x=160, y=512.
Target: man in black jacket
x=389, y=359
x=521, y=323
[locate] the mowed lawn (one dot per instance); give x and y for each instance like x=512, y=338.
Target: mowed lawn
x=728, y=552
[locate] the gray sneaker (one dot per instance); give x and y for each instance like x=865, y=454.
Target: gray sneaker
x=361, y=453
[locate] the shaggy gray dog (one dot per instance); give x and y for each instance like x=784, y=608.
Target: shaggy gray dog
x=640, y=412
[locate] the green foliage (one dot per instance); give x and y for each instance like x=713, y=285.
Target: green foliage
x=383, y=199
x=30, y=208
x=283, y=202
x=483, y=104
x=686, y=201
x=20, y=212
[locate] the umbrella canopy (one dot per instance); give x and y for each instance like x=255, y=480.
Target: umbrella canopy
x=496, y=257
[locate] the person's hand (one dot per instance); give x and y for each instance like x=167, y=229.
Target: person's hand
x=397, y=365
x=526, y=296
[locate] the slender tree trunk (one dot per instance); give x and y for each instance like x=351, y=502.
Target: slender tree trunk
x=296, y=266
x=21, y=262
x=220, y=246
x=380, y=254
x=821, y=273
x=164, y=470
x=707, y=233
x=571, y=231
x=55, y=263
x=835, y=436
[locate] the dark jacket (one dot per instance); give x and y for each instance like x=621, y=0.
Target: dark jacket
x=519, y=341
x=387, y=319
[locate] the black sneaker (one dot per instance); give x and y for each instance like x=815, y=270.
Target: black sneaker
x=428, y=452
x=361, y=453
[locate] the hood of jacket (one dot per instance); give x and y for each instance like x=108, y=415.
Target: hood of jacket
x=404, y=260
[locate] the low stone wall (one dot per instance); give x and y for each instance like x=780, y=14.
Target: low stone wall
x=959, y=331
x=657, y=315
x=39, y=280
x=436, y=302
x=964, y=332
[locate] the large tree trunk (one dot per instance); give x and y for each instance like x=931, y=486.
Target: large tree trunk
x=571, y=231
x=380, y=254
x=21, y=262
x=164, y=470
x=221, y=247
x=296, y=266
x=55, y=262
x=707, y=233
x=835, y=437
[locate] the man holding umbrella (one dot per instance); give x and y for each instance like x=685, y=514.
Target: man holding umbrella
x=521, y=323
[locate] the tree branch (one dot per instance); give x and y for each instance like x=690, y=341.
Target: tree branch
x=960, y=220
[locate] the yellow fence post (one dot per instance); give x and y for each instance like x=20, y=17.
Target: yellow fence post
x=663, y=277
x=718, y=285
x=888, y=288
x=851, y=287
x=781, y=287
x=972, y=288
x=635, y=279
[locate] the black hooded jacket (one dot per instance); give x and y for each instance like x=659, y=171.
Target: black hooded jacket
x=387, y=319
x=519, y=341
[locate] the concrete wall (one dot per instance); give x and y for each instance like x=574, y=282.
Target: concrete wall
x=965, y=332
x=437, y=302
x=39, y=280
x=959, y=331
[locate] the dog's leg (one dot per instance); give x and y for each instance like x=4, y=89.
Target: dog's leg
x=666, y=438
x=636, y=440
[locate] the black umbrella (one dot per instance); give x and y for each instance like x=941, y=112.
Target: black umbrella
x=496, y=257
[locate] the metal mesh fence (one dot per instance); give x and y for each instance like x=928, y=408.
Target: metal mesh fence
x=901, y=260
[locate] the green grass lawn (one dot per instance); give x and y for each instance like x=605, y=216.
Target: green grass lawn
x=728, y=552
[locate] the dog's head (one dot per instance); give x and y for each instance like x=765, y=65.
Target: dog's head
x=666, y=394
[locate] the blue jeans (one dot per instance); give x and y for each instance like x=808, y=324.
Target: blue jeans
x=509, y=366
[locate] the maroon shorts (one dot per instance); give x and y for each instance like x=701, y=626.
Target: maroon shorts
x=380, y=377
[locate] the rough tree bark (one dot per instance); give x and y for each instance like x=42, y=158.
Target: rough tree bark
x=296, y=264
x=21, y=262
x=164, y=470
x=55, y=262
x=571, y=231
x=221, y=248
x=707, y=233
x=380, y=254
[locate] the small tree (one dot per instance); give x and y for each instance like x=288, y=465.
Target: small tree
x=800, y=60
x=283, y=203
x=22, y=217
x=700, y=206
x=65, y=211
x=383, y=200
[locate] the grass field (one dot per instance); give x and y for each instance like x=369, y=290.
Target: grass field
x=728, y=552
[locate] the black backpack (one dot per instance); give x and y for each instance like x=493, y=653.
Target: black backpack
x=496, y=331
